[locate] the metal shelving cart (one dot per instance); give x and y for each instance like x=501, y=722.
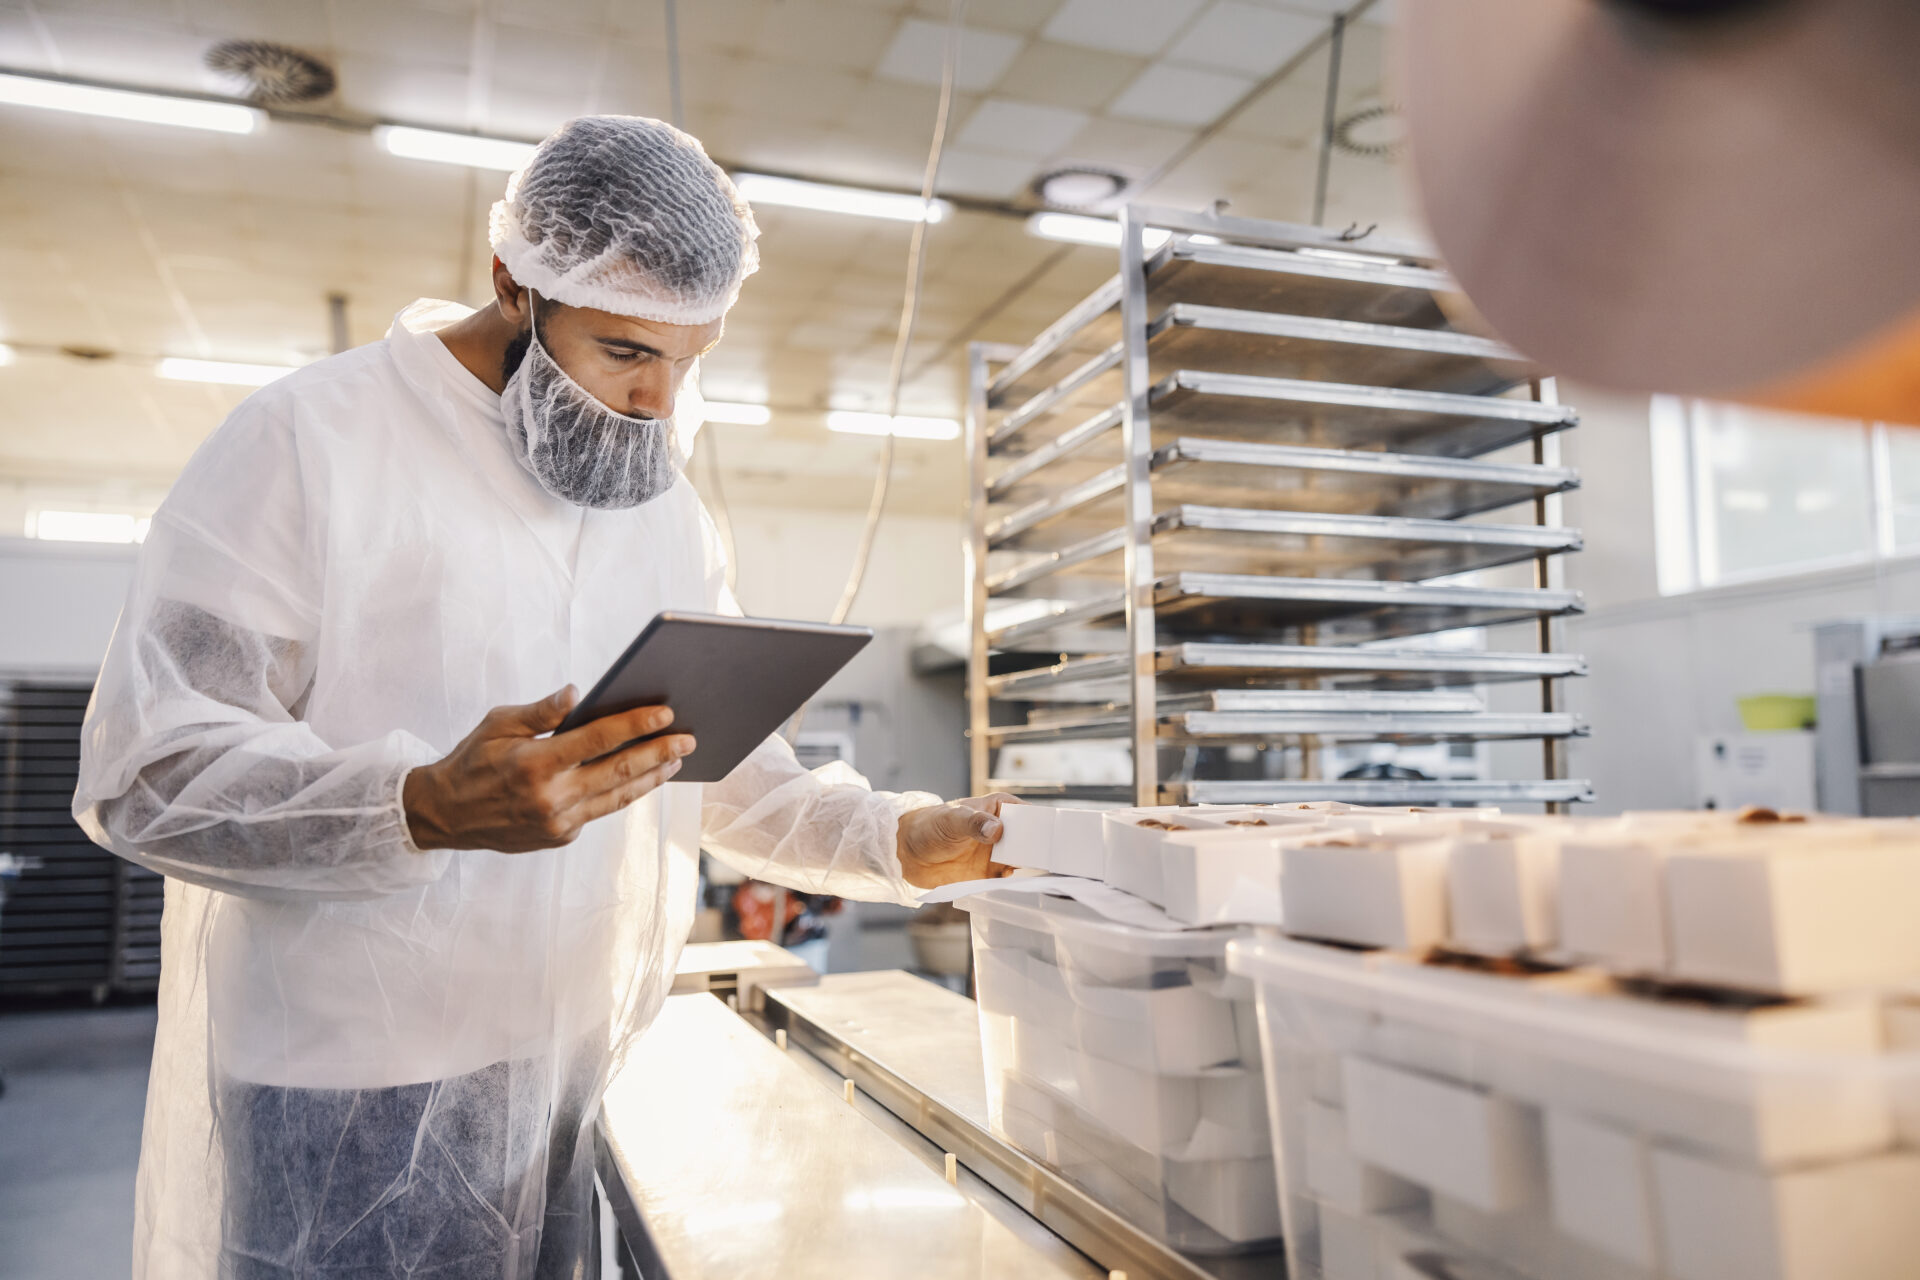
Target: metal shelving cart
x=1216, y=504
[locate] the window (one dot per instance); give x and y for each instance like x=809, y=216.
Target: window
x=1743, y=493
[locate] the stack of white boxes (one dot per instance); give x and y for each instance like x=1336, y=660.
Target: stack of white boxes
x=1129, y=1060
x=1669, y=1046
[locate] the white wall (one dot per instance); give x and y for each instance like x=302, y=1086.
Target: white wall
x=1665, y=670
x=58, y=603
x=792, y=562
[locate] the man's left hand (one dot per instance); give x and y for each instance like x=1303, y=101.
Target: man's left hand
x=946, y=843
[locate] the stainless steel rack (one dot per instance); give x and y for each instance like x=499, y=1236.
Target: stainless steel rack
x=1208, y=499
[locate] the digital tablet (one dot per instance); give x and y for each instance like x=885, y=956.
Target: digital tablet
x=730, y=681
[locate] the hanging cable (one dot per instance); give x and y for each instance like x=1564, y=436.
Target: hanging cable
x=909, y=317
x=708, y=447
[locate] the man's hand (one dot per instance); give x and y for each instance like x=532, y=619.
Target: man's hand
x=947, y=843
x=506, y=788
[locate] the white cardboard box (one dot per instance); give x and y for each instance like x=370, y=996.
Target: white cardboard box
x=1766, y=1118
x=1856, y=1221
x=1525, y=1240
x=1343, y=1180
x=1026, y=837
x=1375, y=893
x=1612, y=903
x=1240, y=1199
x=1805, y=917
x=1080, y=843
x=1450, y=1138
x=1222, y=877
x=1902, y=1025
x=1600, y=1184
x=1502, y=893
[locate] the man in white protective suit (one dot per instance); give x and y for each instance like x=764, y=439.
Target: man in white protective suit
x=408, y=936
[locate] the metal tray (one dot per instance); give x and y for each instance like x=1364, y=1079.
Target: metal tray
x=1233, y=473
x=1282, y=700
x=1256, y=726
x=1191, y=337
x=1442, y=791
x=1302, y=544
x=1437, y=791
x=1245, y=666
x=1184, y=270
x=1285, y=610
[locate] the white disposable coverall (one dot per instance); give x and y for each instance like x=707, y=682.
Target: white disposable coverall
x=350, y=572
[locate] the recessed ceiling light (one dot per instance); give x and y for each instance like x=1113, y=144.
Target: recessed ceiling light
x=1079, y=187
x=87, y=526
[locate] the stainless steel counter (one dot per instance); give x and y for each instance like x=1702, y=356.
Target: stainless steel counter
x=725, y=1157
x=915, y=1048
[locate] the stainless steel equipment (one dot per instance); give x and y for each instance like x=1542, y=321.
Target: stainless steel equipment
x=723, y=1156
x=1245, y=456
x=1867, y=738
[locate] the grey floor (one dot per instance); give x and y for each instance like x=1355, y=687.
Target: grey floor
x=69, y=1140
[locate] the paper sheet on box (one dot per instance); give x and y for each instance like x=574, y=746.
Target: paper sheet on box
x=1114, y=904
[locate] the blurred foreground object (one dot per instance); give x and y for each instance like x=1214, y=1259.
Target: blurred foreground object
x=1714, y=197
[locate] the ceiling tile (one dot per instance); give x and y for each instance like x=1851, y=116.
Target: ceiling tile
x=403, y=33
x=919, y=49
x=1247, y=38
x=818, y=34
x=1021, y=128
x=1127, y=145
x=397, y=91
x=1065, y=75
x=1026, y=16
x=1166, y=94
x=562, y=17
x=540, y=58
x=984, y=174
x=1122, y=26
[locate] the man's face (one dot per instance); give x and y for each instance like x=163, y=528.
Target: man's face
x=632, y=366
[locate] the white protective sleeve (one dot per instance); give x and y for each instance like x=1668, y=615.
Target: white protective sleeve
x=822, y=831
x=194, y=758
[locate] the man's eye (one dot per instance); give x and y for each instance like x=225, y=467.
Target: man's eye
x=624, y=357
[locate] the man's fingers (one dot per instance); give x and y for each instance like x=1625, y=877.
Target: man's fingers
x=596, y=738
x=623, y=767
x=606, y=802
x=530, y=719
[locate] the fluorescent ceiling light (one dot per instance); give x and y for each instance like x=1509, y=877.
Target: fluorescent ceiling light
x=453, y=148
x=87, y=526
x=761, y=188
x=746, y=415
x=229, y=372
x=6, y=355
x=879, y=424
x=1078, y=228
x=127, y=104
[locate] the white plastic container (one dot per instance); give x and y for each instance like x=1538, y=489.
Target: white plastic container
x=1128, y=1059
x=1563, y=1127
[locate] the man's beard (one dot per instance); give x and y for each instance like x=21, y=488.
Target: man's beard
x=578, y=449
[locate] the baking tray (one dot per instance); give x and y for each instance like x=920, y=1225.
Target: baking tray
x=1251, y=666
x=1196, y=606
x=1186, y=270
x=1237, y=473
x=1281, y=700
x=1298, y=544
x=1256, y=726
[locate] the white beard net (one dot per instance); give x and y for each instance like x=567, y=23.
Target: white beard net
x=576, y=447
x=627, y=215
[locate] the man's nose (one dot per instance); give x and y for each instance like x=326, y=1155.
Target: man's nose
x=652, y=395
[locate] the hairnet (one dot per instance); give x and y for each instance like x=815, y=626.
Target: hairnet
x=628, y=215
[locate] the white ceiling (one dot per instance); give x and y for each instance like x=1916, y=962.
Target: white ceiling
x=143, y=241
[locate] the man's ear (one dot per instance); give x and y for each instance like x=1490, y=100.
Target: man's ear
x=508, y=295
